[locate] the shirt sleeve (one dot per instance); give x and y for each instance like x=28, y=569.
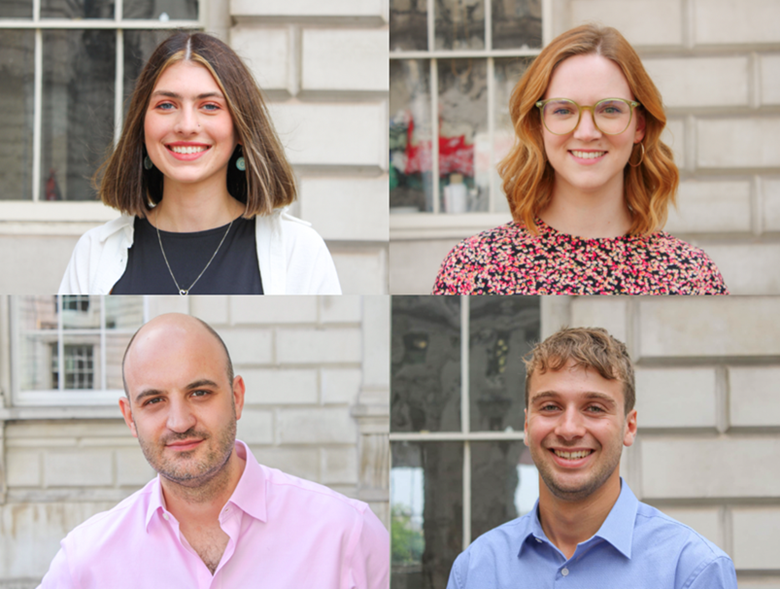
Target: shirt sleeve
x=59, y=576
x=453, y=271
x=718, y=574
x=371, y=560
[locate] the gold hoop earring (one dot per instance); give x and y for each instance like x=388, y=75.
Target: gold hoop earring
x=641, y=159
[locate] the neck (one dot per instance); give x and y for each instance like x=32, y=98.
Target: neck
x=203, y=503
x=568, y=523
x=587, y=214
x=188, y=208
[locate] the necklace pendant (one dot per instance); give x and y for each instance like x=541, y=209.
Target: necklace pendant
x=183, y=292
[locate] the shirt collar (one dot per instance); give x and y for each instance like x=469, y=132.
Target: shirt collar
x=249, y=495
x=617, y=529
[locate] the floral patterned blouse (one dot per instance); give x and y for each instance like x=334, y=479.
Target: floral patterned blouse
x=509, y=260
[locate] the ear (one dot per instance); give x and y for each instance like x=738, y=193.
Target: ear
x=127, y=413
x=525, y=427
x=641, y=125
x=630, y=431
x=238, y=395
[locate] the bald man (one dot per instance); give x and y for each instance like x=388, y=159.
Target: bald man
x=213, y=517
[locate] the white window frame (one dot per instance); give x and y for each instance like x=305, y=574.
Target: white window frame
x=73, y=217
x=465, y=435
x=435, y=224
x=99, y=396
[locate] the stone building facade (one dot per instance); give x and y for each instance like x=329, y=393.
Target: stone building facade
x=317, y=380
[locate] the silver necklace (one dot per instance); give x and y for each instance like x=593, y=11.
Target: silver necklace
x=186, y=291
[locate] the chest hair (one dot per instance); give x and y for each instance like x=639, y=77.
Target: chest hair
x=210, y=545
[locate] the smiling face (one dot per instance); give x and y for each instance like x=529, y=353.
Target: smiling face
x=188, y=130
x=587, y=160
x=576, y=428
x=181, y=406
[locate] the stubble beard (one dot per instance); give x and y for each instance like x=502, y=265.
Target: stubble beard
x=580, y=490
x=181, y=470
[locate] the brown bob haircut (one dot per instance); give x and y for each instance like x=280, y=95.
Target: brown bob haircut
x=587, y=347
x=267, y=183
x=528, y=176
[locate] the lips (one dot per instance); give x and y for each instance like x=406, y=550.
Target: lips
x=184, y=445
x=187, y=151
x=588, y=155
x=571, y=457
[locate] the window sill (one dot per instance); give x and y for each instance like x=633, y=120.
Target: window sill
x=428, y=226
x=69, y=412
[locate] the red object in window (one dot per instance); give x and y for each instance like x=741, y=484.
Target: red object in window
x=52, y=189
x=454, y=155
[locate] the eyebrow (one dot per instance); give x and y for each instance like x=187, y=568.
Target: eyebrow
x=170, y=94
x=589, y=395
x=204, y=382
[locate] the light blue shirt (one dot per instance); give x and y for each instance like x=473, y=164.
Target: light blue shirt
x=637, y=546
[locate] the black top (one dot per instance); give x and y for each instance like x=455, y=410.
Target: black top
x=234, y=269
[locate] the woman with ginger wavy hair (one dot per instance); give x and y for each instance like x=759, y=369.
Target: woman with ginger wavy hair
x=202, y=182
x=588, y=181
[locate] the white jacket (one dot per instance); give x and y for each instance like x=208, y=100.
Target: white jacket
x=292, y=257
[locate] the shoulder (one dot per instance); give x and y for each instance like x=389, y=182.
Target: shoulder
x=480, y=255
x=696, y=272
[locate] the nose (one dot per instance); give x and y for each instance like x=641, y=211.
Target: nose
x=186, y=122
x=570, y=425
x=180, y=417
x=586, y=129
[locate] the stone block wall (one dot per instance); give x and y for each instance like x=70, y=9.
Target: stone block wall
x=316, y=371
x=708, y=407
x=324, y=69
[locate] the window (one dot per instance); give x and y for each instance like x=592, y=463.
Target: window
x=66, y=69
x=89, y=333
x=459, y=466
x=459, y=59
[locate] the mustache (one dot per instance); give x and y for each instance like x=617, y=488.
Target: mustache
x=190, y=434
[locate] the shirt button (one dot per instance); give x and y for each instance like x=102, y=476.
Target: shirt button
x=539, y=540
x=166, y=517
x=565, y=572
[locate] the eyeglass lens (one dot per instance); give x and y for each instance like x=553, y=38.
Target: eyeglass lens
x=611, y=116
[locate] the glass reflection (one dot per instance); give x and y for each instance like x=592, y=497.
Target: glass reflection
x=16, y=115
x=77, y=9
x=459, y=24
x=516, y=24
x=408, y=25
x=464, y=145
x=410, y=136
x=163, y=10
x=427, y=512
x=502, y=331
x=78, y=110
x=15, y=9
x=138, y=47
x=504, y=484
x=425, y=372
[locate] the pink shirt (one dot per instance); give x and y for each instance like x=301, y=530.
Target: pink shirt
x=285, y=532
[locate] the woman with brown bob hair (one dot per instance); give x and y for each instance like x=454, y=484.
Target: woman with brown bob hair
x=202, y=183
x=588, y=181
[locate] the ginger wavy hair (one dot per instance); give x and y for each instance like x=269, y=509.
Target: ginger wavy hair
x=586, y=347
x=268, y=181
x=527, y=175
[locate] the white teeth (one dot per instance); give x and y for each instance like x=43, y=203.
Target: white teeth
x=588, y=155
x=187, y=149
x=572, y=455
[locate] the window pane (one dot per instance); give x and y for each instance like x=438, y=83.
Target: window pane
x=408, y=25
x=460, y=24
x=464, y=145
x=504, y=484
x=82, y=355
x=502, y=330
x=78, y=110
x=37, y=332
x=161, y=9
x=516, y=23
x=81, y=312
x=425, y=377
x=15, y=9
x=77, y=9
x=507, y=72
x=410, y=136
x=17, y=49
x=426, y=500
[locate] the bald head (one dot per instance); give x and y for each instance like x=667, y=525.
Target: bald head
x=175, y=328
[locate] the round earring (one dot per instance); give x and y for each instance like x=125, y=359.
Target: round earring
x=641, y=159
x=148, y=165
x=241, y=164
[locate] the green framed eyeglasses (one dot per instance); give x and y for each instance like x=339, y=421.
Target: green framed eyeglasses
x=611, y=116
